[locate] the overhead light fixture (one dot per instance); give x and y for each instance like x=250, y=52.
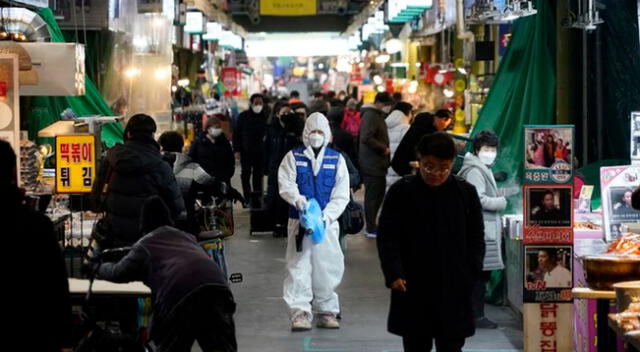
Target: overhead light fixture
x=381, y=89
x=399, y=64
x=393, y=46
x=448, y=93
x=382, y=59
x=377, y=79
x=131, y=72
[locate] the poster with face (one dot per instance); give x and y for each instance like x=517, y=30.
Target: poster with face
x=548, y=214
x=635, y=138
x=618, y=184
x=548, y=273
x=548, y=154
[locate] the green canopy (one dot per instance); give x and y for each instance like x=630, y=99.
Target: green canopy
x=46, y=110
x=523, y=91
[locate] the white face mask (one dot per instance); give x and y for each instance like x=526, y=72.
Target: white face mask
x=215, y=132
x=487, y=158
x=256, y=108
x=316, y=140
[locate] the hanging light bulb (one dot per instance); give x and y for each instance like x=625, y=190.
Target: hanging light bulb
x=377, y=79
x=448, y=93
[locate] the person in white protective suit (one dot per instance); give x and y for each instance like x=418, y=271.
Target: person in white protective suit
x=314, y=270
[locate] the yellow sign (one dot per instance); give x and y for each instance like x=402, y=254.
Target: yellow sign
x=75, y=163
x=368, y=97
x=287, y=7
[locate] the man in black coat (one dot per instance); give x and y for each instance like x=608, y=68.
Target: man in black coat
x=191, y=296
x=131, y=173
x=431, y=248
x=373, y=157
x=248, y=144
x=423, y=124
x=40, y=297
x=213, y=152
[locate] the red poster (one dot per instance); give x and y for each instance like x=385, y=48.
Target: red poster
x=231, y=80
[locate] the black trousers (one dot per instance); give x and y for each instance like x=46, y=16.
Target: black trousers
x=425, y=344
x=205, y=316
x=374, y=188
x=479, y=290
x=251, y=168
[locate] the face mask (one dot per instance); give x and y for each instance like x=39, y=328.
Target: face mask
x=215, y=132
x=487, y=158
x=257, y=109
x=316, y=140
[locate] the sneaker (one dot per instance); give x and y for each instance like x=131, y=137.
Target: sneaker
x=372, y=234
x=328, y=321
x=485, y=323
x=300, y=321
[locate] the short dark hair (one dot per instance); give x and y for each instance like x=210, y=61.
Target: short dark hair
x=140, y=124
x=485, y=138
x=383, y=98
x=551, y=252
x=255, y=96
x=404, y=107
x=397, y=96
x=443, y=114
x=295, y=94
x=171, y=141
x=154, y=213
x=317, y=95
x=331, y=94
x=7, y=164
x=437, y=144
x=547, y=192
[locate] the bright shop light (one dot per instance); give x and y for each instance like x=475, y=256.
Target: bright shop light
x=399, y=64
x=361, y=65
x=343, y=64
x=393, y=46
x=448, y=93
x=183, y=82
x=377, y=79
x=296, y=44
x=194, y=22
x=381, y=89
x=462, y=70
x=163, y=73
x=140, y=42
x=131, y=72
x=382, y=59
x=174, y=89
x=413, y=87
x=214, y=31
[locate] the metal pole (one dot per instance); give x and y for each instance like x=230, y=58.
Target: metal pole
x=585, y=101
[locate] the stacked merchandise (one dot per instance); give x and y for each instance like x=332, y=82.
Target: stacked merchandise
x=29, y=165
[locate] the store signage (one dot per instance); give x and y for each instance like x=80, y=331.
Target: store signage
x=75, y=163
x=401, y=11
x=548, y=214
x=584, y=202
x=548, y=154
x=231, y=79
x=288, y=7
x=617, y=185
x=194, y=23
x=548, y=327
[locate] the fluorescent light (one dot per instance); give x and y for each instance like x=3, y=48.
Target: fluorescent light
x=297, y=44
x=377, y=79
x=195, y=22
x=132, y=72
x=399, y=64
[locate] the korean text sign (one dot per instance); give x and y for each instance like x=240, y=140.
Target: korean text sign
x=75, y=163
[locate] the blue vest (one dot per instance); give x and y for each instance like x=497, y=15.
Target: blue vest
x=310, y=186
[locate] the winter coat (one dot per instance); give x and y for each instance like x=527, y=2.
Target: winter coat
x=374, y=140
x=137, y=172
x=479, y=175
x=248, y=136
x=172, y=264
x=406, y=151
x=351, y=122
x=216, y=158
x=398, y=125
x=40, y=297
x=433, y=239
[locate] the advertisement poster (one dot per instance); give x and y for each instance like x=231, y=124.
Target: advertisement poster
x=548, y=214
x=548, y=154
x=618, y=184
x=635, y=138
x=548, y=327
x=288, y=7
x=75, y=163
x=231, y=80
x=584, y=202
x=547, y=273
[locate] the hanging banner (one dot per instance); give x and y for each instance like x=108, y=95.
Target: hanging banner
x=231, y=79
x=288, y=7
x=548, y=154
x=548, y=214
x=548, y=327
x=75, y=163
x=617, y=186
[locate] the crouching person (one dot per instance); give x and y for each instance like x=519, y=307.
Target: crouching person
x=191, y=296
x=314, y=270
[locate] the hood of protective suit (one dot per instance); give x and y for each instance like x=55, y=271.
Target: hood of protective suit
x=396, y=118
x=316, y=121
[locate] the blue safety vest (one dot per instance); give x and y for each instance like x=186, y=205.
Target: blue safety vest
x=310, y=186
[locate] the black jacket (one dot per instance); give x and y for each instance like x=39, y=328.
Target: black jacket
x=278, y=142
x=406, y=151
x=137, y=171
x=434, y=239
x=215, y=158
x=248, y=137
x=40, y=298
x=172, y=264
x=374, y=140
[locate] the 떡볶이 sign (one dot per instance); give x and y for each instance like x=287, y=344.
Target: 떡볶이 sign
x=75, y=163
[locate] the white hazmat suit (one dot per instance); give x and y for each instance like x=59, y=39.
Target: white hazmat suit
x=314, y=273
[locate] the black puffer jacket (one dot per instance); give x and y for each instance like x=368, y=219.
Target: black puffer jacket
x=216, y=158
x=137, y=171
x=173, y=265
x=248, y=137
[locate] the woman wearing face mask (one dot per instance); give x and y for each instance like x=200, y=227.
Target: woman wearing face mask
x=213, y=152
x=476, y=170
